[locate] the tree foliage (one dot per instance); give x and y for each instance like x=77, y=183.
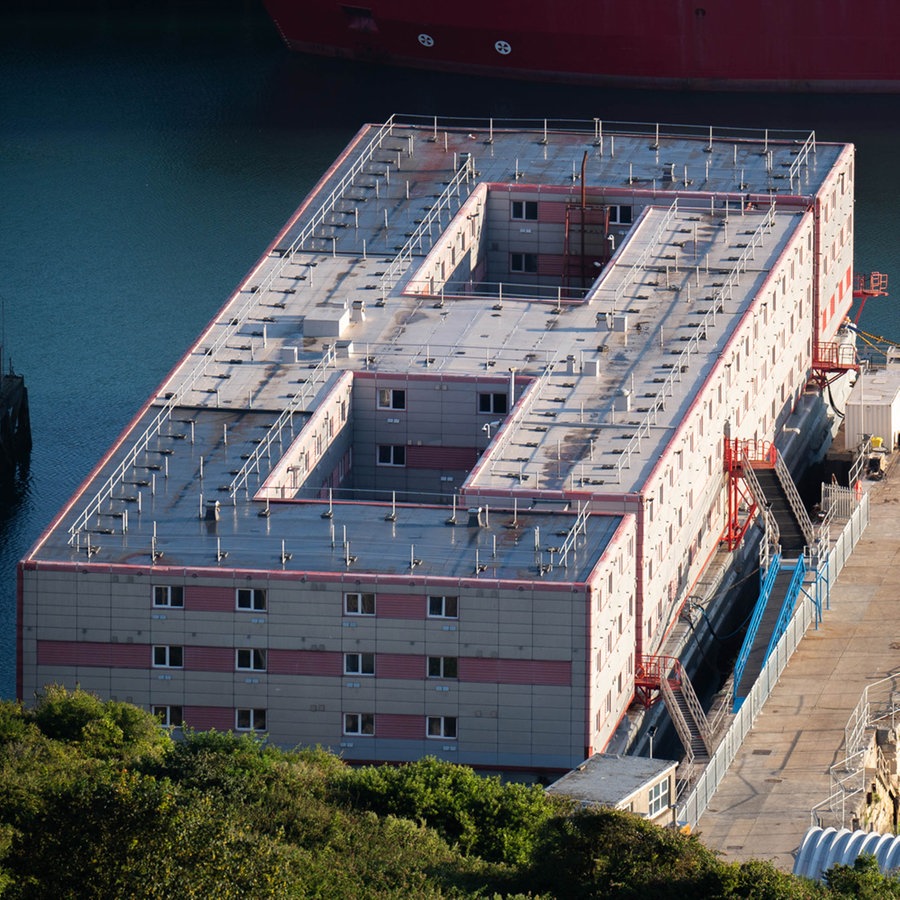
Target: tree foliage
x=98, y=801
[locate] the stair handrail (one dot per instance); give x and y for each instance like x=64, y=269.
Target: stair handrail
x=771, y=544
x=752, y=629
x=677, y=717
x=790, y=489
x=696, y=711
x=787, y=608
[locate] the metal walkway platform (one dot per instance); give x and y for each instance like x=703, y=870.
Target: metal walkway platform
x=762, y=807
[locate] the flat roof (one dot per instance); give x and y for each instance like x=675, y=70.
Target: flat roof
x=608, y=779
x=651, y=325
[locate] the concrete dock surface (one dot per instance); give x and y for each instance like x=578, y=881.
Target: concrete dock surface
x=762, y=807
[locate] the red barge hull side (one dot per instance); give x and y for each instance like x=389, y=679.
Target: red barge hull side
x=832, y=45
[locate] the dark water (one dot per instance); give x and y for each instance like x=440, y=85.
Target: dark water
x=146, y=159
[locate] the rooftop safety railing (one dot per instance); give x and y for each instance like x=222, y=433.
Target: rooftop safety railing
x=451, y=196
x=637, y=269
x=602, y=130
x=598, y=128
x=234, y=321
x=518, y=414
x=802, y=157
x=722, y=294
x=317, y=376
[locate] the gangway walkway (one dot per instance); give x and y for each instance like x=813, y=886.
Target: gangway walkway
x=774, y=608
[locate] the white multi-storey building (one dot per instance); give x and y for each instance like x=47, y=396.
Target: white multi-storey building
x=448, y=463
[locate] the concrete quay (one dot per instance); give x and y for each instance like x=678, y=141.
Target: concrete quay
x=761, y=809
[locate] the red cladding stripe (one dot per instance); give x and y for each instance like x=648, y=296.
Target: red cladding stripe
x=209, y=659
x=516, y=671
x=441, y=457
x=552, y=211
x=205, y=717
x=399, y=726
x=305, y=662
x=209, y=599
x=400, y=606
x=93, y=653
x=400, y=665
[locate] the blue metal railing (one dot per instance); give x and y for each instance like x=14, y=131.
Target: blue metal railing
x=787, y=607
x=762, y=601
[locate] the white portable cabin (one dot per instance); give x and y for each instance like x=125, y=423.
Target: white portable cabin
x=873, y=408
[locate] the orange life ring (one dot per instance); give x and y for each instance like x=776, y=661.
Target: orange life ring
x=858, y=489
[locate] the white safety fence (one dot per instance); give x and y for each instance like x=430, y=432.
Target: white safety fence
x=696, y=802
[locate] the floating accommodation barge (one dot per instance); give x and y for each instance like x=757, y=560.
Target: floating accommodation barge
x=444, y=469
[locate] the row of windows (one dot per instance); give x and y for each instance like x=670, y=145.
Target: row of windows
x=363, y=724
x=171, y=595
x=354, y=724
x=254, y=599
x=435, y=666
x=170, y=656
x=244, y=719
x=527, y=210
x=439, y=607
x=490, y=402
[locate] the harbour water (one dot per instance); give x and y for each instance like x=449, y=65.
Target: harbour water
x=147, y=158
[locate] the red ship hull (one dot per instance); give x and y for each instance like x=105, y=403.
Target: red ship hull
x=710, y=44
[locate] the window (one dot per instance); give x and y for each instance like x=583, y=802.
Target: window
x=168, y=595
x=391, y=455
x=496, y=404
x=442, y=667
x=359, y=663
x=443, y=607
x=359, y=723
x=253, y=660
x=390, y=398
x=523, y=262
x=659, y=798
x=167, y=656
x=169, y=716
x=440, y=726
x=524, y=209
x=251, y=598
x=359, y=604
x=621, y=215
x=250, y=720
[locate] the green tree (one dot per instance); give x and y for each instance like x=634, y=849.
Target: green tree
x=863, y=880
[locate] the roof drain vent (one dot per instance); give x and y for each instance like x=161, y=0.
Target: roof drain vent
x=476, y=517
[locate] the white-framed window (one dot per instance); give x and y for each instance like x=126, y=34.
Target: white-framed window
x=168, y=595
x=359, y=723
x=359, y=663
x=659, y=798
x=523, y=262
x=250, y=659
x=168, y=656
x=250, y=720
x=495, y=403
x=391, y=455
x=251, y=598
x=440, y=726
x=524, y=209
x=169, y=716
x=443, y=667
x=391, y=398
x=441, y=607
x=621, y=215
x=359, y=604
